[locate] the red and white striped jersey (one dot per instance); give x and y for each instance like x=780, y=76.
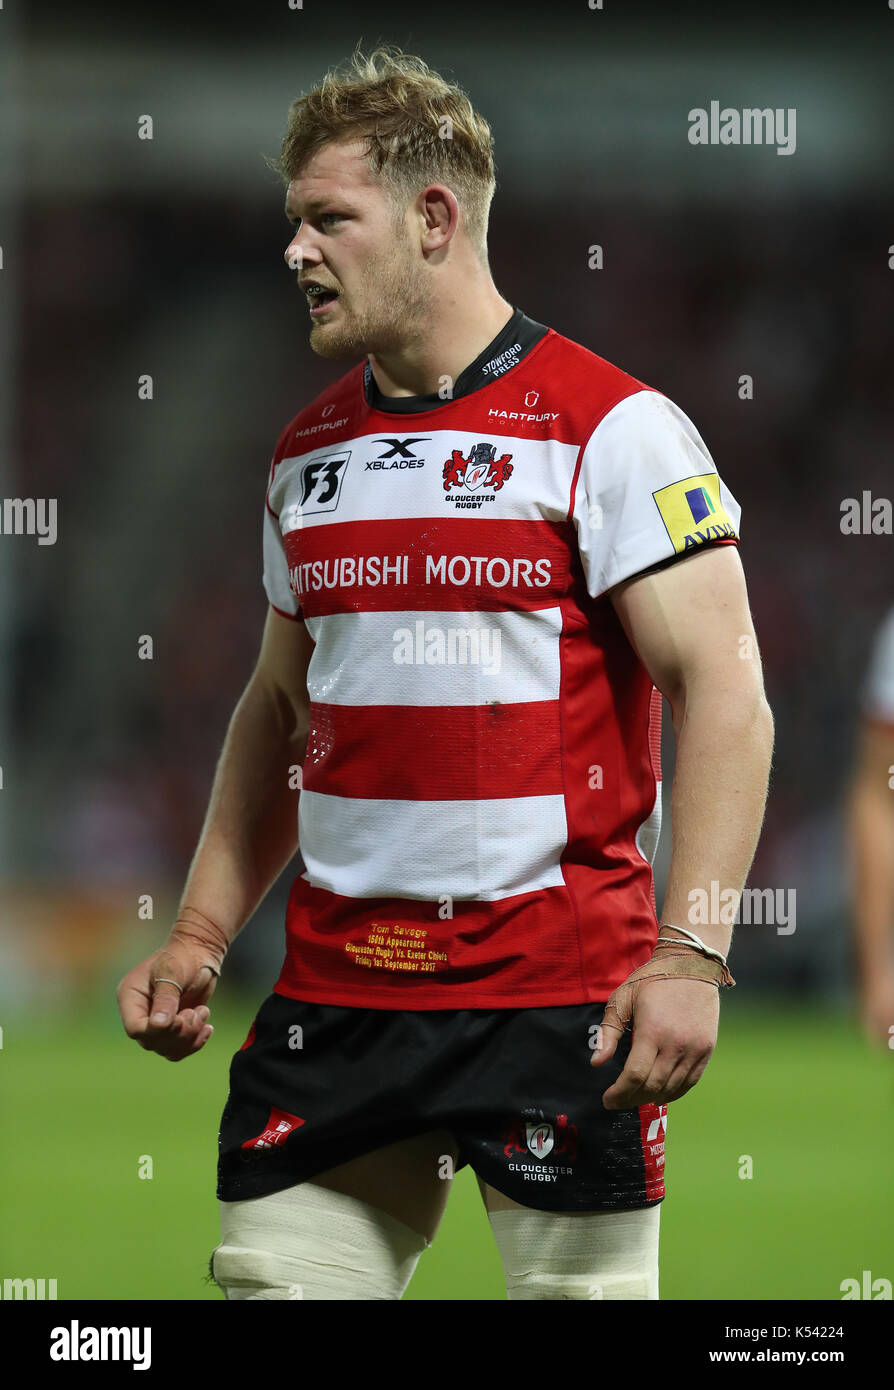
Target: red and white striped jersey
x=480, y=801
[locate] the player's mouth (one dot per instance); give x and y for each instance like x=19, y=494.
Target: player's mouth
x=320, y=297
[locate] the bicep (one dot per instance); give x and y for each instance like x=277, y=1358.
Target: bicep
x=692, y=620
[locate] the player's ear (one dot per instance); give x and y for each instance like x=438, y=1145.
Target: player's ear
x=439, y=212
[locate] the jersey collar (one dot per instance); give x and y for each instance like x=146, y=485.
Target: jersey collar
x=512, y=343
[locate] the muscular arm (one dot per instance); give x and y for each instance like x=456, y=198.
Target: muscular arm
x=249, y=835
x=250, y=831
x=870, y=825
x=691, y=627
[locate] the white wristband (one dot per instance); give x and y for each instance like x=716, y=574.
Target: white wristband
x=696, y=941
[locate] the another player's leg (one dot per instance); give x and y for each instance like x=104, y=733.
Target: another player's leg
x=355, y=1231
x=581, y=1255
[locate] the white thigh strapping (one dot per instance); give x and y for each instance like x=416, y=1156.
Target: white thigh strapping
x=310, y=1242
x=594, y=1255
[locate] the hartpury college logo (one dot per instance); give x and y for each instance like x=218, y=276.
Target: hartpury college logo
x=481, y=469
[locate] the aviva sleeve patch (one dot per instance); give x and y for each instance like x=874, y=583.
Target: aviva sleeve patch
x=693, y=513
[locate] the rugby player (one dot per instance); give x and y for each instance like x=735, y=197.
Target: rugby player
x=487, y=553
x=871, y=836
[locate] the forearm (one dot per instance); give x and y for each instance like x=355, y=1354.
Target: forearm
x=871, y=845
x=250, y=831
x=716, y=818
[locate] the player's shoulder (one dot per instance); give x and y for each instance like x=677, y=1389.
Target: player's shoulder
x=591, y=384
x=325, y=417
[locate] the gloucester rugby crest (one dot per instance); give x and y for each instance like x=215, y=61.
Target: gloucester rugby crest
x=482, y=469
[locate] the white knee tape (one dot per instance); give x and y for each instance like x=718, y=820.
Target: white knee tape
x=310, y=1242
x=595, y=1255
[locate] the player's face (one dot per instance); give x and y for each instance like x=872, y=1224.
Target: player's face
x=352, y=240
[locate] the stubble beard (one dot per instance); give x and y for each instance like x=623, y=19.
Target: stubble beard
x=394, y=313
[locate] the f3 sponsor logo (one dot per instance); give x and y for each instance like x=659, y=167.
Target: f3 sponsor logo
x=320, y=483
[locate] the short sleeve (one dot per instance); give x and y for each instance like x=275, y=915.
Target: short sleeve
x=878, y=688
x=647, y=492
x=276, y=567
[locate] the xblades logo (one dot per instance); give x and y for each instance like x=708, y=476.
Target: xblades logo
x=404, y=447
x=398, y=453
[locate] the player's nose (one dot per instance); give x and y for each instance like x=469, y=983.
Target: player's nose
x=298, y=254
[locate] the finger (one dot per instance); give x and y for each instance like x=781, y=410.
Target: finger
x=607, y=1039
x=188, y=1044
x=175, y=1039
x=201, y=1039
x=133, y=1005
x=667, y=1079
x=615, y=1017
x=157, y=1037
x=200, y=989
x=620, y=1096
x=186, y=1024
x=191, y=1022
x=680, y=1082
x=165, y=1004
x=178, y=1040
x=678, y=1086
x=619, y=1009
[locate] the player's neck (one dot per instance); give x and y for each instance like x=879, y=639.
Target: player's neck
x=460, y=328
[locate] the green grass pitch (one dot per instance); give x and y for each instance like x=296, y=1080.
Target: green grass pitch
x=798, y=1091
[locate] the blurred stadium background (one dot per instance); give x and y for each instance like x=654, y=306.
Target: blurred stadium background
x=124, y=256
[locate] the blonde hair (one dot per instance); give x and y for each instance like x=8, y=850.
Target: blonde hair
x=419, y=129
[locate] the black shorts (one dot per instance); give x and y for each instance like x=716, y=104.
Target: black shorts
x=315, y=1085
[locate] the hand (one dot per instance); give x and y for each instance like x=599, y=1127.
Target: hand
x=674, y=1035
x=160, y=1017
x=876, y=1002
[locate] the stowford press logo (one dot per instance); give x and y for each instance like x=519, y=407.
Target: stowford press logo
x=481, y=470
